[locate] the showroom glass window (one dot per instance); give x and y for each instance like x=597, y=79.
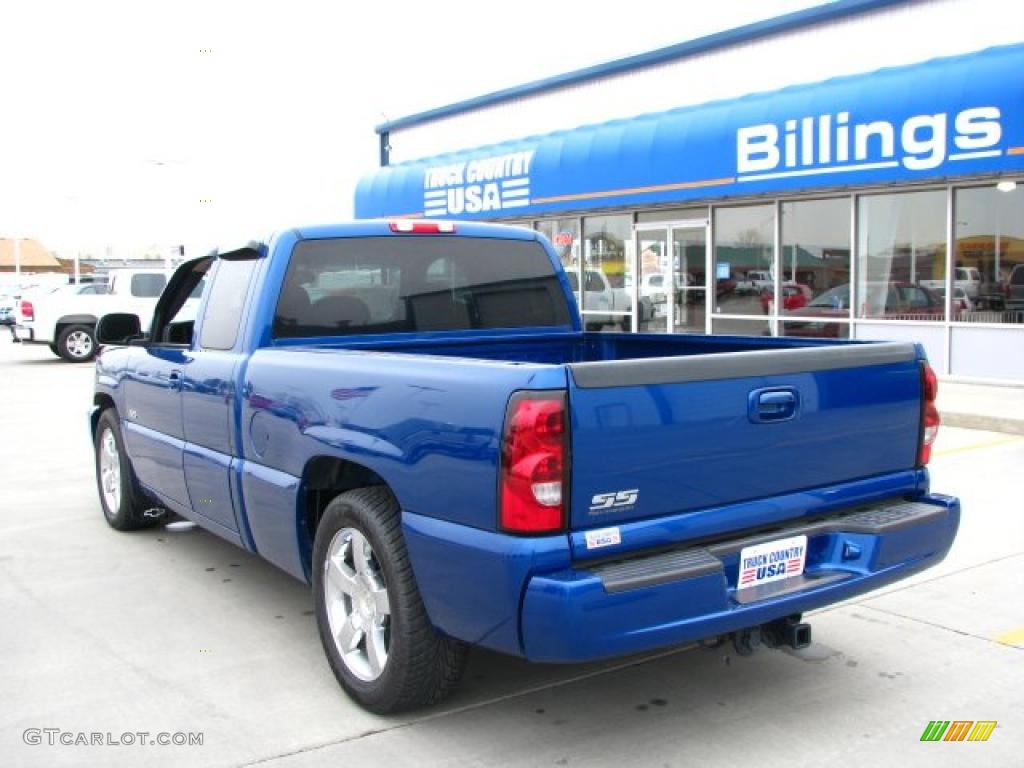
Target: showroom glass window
x=744, y=240
x=564, y=234
x=901, y=255
x=815, y=266
x=608, y=254
x=988, y=280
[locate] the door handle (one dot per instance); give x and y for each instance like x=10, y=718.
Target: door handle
x=174, y=380
x=765, y=406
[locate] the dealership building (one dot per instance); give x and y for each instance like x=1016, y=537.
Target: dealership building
x=853, y=170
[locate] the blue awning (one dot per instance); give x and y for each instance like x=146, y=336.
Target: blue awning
x=951, y=117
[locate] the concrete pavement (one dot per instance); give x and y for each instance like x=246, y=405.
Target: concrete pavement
x=159, y=631
x=981, y=406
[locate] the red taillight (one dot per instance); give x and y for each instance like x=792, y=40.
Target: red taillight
x=419, y=227
x=929, y=413
x=27, y=311
x=533, y=464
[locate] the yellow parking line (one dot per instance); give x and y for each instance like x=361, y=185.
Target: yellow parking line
x=1013, y=637
x=977, y=446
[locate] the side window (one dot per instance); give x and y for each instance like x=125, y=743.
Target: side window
x=148, y=286
x=918, y=299
x=593, y=282
x=224, y=304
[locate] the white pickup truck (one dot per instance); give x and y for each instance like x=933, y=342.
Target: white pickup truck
x=754, y=282
x=66, y=318
x=614, y=304
x=968, y=278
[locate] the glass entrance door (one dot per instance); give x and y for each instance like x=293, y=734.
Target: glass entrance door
x=672, y=286
x=690, y=278
x=655, y=280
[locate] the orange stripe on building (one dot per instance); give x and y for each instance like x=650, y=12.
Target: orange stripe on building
x=635, y=190
x=1015, y=151
x=404, y=216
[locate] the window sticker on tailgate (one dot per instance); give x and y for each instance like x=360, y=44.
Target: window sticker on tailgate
x=772, y=561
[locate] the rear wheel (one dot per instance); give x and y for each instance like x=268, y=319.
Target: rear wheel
x=77, y=344
x=124, y=506
x=375, y=631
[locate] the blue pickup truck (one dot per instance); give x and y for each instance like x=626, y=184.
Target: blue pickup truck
x=409, y=416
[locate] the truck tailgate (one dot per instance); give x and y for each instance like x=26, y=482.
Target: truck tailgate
x=661, y=436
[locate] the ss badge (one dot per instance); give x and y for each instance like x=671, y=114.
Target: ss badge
x=606, y=502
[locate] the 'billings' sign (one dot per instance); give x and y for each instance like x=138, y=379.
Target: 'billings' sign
x=484, y=185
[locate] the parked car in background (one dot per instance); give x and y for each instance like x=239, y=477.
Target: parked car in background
x=755, y=281
x=690, y=287
x=880, y=300
x=8, y=303
x=994, y=289
x=1015, y=289
x=794, y=296
x=65, y=318
x=961, y=302
x=654, y=287
x=16, y=286
x=967, y=278
x=599, y=295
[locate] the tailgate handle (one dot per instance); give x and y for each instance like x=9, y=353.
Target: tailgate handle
x=765, y=406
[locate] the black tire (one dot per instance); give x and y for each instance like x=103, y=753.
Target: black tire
x=128, y=509
x=77, y=343
x=420, y=666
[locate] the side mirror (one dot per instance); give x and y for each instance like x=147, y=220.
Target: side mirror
x=118, y=329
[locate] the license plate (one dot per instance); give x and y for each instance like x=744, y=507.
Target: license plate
x=772, y=561
x=25, y=334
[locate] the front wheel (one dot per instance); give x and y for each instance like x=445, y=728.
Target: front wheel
x=77, y=344
x=124, y=506
x=375, y=631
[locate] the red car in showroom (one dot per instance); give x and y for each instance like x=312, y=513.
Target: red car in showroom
x=794, y=296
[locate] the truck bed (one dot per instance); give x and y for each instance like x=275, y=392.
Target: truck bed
x=689, y=422
x=566, y=348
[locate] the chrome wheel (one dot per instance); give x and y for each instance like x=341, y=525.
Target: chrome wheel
x=110, y=471
x=78, y=344
x=358, y=609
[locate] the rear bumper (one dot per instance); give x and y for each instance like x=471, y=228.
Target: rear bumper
x=640, y=604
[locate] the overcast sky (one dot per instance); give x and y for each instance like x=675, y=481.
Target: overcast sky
x=149, y=123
